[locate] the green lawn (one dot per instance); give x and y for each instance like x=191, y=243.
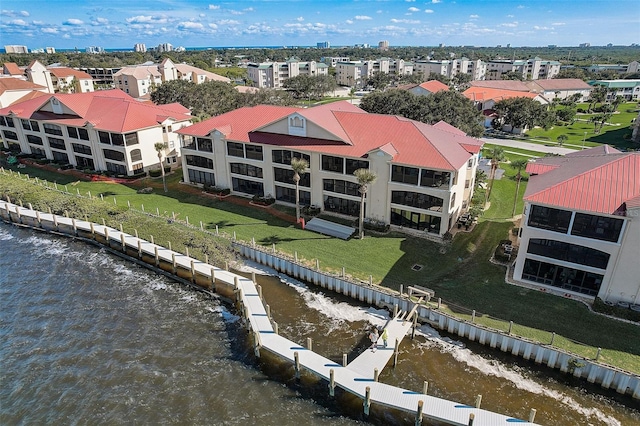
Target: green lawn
x=459, y=272
x=615, y=133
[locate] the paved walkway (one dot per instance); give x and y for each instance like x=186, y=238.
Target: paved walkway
x=528, y=146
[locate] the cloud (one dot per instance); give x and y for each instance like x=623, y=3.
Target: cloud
x=521, y=6
x=538, y=28
x=188, y=25
x=19, y=22
x=24, y=13
x=428, y=11
x=49, y=30
x=349, y=21
x=242, y=12
x=228, y=22
x=299, y=19
x=474, y=16
x=213, y=26
x=363, y=18
x=405, y=21
x=142, y=19
x=557, y=24
x=73, y=21
x=414, y=9
x=99, y=21
x=509, y=24
x=214, y=7
x=436, y=1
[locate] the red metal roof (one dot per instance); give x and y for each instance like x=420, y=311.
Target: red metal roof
x=13, y=69
x=598, y=183
x=356, y=134
x=483, y=94
x=434, y=86
x=110, y=110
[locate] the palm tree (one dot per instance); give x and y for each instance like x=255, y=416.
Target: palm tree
x=365, y=178
x=518, y=165
x=299, y=166
x=160, y=149
x=562, y=139
x=497, y=155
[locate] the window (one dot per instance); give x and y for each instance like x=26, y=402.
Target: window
x=470, y=163
x=78, y=133
x=246, y=169
x=284, y=156
x=113, y=155
x=197, y=176
x=467, y=183
x=30, y=125
x=116, y=168
x=104, y=138
x=342, y=205
x=56, y=143
x=198, y=161
x=131, y=139
x=7, y=121
x=8, y=134
x=61, y=157
x=84, y=162
x=353, y=165
x=332, y=164
x=341, y=187
x=404, y=174
x=52, y=129
x=597, y=227
x=286, y=176
x=563, y=277
x=117, y=139
x=288, y=195
x=81, y=149
x=414, y=220
x=248, y=186
x=137, y=168
x=434, y=179
x=254, y=152
x=135, y=155
x=569, y=252
x=235, y=149
x=36, y=140
x=549, y=218
x=205, y=144
x=415, y=199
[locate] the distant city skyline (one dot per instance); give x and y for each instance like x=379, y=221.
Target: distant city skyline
x=67, y=24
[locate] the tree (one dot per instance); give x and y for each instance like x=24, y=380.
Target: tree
x=365, y=178
x=497, y=155
x=518, y=165
x=299, y=166
x=562, y=139
x=160, y=149
x=598, y=95
x=379, y=80
x=522, y=113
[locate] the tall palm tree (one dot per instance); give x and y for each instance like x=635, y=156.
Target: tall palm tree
x=365, y=178
x=299, y=166
x=497, y=155
x=160, y=149
x=518, y=165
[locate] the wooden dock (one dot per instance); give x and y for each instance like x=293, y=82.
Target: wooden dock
x=358, y=377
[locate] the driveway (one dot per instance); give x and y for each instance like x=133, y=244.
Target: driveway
x=507, y=143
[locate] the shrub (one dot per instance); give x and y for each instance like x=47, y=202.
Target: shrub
x=267, y=201
x=614, y=310
x=155, y=173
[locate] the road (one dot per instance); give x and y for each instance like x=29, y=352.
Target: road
x=528, y=146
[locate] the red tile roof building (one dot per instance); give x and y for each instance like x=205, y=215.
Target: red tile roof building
x=102, y=131
x=425, y=173
x=581, y=225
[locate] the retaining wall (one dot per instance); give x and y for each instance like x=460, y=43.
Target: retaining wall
x=207, y=277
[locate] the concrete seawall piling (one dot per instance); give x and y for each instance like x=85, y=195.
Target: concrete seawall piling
x=211, y=279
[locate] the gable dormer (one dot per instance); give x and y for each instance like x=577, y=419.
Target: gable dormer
x=297, y=125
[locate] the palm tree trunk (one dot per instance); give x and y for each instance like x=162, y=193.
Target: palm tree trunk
x=515, y=199
x=297, y=203
x=164, y=181
x=361, y=221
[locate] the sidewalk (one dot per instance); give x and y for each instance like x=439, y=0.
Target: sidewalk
x=528, y=146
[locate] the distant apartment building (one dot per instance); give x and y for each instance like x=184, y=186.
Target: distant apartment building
x=584, y=45
x=14, y=48
x=59, y=79
x=50, y=50
x=164, y=47
x=102, y=131
x=139, y=47
x=632, y=67
x=450, y=68
x=138, y=80
x=333, y=60
x=383, y=45
x=274, y=74
x=94, y=49
x=629, y=90
x=323, y=45
x=530, y=69
x=102, y=77
x=356, y=73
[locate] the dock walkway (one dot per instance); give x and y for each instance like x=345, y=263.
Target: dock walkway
x=358, y=377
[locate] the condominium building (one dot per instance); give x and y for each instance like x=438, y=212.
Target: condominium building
x=102, y=131
x=59, y=79
x=274, y=74
x=580, y=232
x=139, y=79
x=356, y=73
x=14, y=48
x=139, y=47
x=531, y=69
x=627, y=89
x=383, y=45
x=333, y=60
x=164, y=47
x=424, y=173
x=94, y=49
x=450, y=68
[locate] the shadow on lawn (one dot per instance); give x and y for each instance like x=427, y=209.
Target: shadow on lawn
x=274, y=239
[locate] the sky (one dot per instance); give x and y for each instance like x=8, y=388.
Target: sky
x=67, y=24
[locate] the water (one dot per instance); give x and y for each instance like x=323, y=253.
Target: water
x=88, y=338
